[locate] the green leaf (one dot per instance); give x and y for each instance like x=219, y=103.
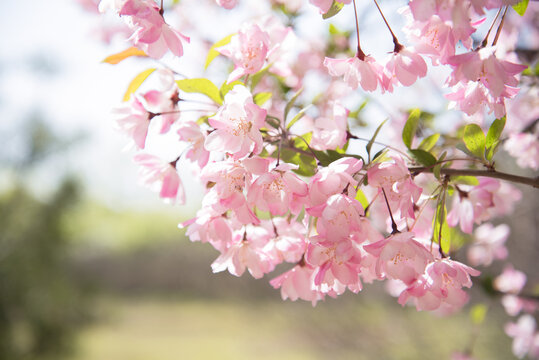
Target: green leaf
x=333, y=10
x=521, y=7
x=493, y=136
x=273, y=122
x=423, y=157
x=136, y=82
x=360, y=196
x=371, y=141
x=428, y=143
x=475, y=140
x=478, y=313
x=225, y=88
x=291, y=103
x=408, y=132
x=492, y=150
x=465, y=180
x=201, y=86
x=438, y=168
x=441, y=213
x=212, y=53
x=255, y=79
x=298, y=116
x=261, y=98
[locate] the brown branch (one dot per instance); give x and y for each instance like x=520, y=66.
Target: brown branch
x=486, y=173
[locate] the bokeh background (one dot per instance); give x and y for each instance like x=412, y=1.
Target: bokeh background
x=93, y=266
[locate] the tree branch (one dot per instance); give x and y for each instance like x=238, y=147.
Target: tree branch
x=486, y=173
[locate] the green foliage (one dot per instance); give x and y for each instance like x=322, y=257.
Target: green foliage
x=291, y=102
x=371, y=141
x=298, y=116
x=212, y=53
x=478, y=313
x=40, y=300
x=201, y=86
x=474, y=140
x=423, y=157
x=335, y=8
x=260, y=98
x=465, y=180
x=429, y=142
x=521, y=7
x=410, y=128
x=493, y=137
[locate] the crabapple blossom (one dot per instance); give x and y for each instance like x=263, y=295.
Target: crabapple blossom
x=330, y=131
x=278, y=191
x=189, y=131
x=325, y=5
x=440, y=287
x=237, y=125
x=333, y=180
x=227, y=4
x=150, y=32
x=525, y=337
x=525, y=148
x=162, y=176
x=296, y=283
x=400, y=257
x=488, y=245
x=399, y=188
x=248, y=49
x=133, y=119
x=357, y=72
x=404, y=67
x=338, y=218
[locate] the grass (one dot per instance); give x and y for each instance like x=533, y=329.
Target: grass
x=161, y=329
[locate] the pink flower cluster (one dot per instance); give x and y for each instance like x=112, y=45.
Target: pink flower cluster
x=150, y=31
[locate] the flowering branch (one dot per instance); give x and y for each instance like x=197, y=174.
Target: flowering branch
x=486, y=173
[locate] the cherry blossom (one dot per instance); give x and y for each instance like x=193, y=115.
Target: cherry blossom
x=488, y=245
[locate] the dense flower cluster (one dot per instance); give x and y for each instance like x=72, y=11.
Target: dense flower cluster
x=282, y=185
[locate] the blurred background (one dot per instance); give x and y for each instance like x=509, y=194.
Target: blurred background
x=93, y=267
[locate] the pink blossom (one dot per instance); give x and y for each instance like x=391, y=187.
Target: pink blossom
x=330, y=132
x=237, y=125
x=336, y=262
x=338, y=218
x=498, y=79
x=488, y=245
x=334, y=179
x=404, y=67
x=525, y=337
x=189, y=131
x=365, y=72
x=400, y=257
x=296, y=284
x=325, y=5
x=151, y=33
x=134, y=120
x=209, y=227
x=510, y=281
x=398, y=185
x=227, y=4
x=246, y=251
x=525, y=148
x=162, y=176
x=471, y=206
x=278, y=191
x=289, y=242
x=440, y=287
x=248, y=49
